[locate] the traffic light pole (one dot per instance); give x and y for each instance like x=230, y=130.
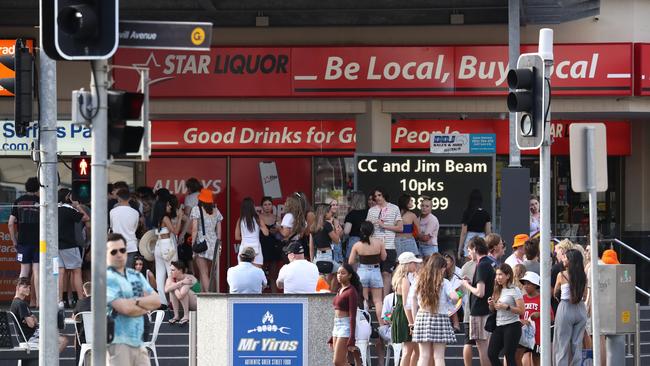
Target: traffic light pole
x=98, y=217
x=48, y=283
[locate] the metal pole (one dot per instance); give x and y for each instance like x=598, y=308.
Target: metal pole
x=146, y=141
x=593, y=241
x=193, y=330
x=513, y=55
x=637, y=337
x=48, y=283
x=98, y=211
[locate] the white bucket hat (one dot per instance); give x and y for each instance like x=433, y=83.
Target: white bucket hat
x=531, y=277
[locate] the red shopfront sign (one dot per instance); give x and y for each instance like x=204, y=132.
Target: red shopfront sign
x=642, y=69
x=338, y=136
x=580, y=69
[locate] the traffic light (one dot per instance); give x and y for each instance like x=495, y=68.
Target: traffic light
x=123, y=106
x=528, y=98
x=21, y=85
x=81, y=178
x=79, y=29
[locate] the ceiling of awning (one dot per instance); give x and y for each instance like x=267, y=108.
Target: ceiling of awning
x=302, y=13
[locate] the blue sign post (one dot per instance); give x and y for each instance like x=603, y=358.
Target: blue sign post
x=270, y=333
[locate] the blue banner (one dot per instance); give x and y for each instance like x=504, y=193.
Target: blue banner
x=482, y=143
x=268, y=333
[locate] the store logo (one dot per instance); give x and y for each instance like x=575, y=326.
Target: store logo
x=267, y=326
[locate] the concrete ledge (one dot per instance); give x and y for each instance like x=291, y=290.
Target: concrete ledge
x=214, y=317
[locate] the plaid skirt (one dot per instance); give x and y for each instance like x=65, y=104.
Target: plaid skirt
x=434, y=328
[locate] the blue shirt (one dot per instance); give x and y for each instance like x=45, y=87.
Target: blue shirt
x=245, y=278
x=128, y=329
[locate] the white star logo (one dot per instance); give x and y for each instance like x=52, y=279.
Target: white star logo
x=150, y=59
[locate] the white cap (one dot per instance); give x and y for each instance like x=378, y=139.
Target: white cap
x=531, y=277
x=408, y=257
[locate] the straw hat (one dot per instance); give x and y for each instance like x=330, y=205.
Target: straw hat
x=205, y=196
x=147, y=244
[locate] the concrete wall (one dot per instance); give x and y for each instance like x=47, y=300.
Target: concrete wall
x=213, y=319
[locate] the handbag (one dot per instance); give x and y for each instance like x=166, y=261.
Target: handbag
x=491, y=322
x=200, y=246
x=184, y=251
x=325, y=267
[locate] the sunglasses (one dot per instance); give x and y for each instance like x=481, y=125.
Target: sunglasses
x=121, y=250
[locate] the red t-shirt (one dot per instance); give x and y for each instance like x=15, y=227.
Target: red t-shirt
x=531, y=305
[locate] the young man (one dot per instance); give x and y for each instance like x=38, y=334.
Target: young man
x=387, y=219
x=23, y=230
x=70, y=261
x=299, y=276
x=480, y=290
x=496, y=248
x=125, y=220
x=245, y=278
x=128, y=297
x=467, y=271
x=28, y=321
x=429, y=226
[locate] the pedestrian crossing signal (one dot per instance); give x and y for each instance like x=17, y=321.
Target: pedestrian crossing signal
x=81, y=178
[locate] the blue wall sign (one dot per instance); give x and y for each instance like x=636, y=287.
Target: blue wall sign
x=270, y=333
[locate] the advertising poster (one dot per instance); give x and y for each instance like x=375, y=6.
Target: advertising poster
x=268, y=333
x=9, y=268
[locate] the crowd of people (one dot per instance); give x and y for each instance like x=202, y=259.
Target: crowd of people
x=379, y=257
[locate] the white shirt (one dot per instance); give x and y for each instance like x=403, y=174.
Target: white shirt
x=512, y=261
x=390, y=215
x=124, y=220
x=245, y=278
x=287, y=220
x=298, y=277
x=444, y=299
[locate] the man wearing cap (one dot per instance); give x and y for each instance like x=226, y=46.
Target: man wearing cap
x=517, y=256
x=245, y=278
x=299, y=276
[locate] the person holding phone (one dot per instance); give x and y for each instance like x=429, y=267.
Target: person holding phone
x=508, y=301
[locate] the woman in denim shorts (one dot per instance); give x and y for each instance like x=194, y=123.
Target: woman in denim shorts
x=371, y=252
x=322, y=235
x=405, y=241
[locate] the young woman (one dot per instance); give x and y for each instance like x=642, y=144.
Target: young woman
x=571, y=315
x=353, y=220
x=432, y=329
x=405, y=241
x=138, y=265
x=322, y=235
x=178, y=286
x=371, y=252
x=476, y=222
x=534, y=215
x=248, y=229
x=345, y=314
x=508, y=302
x=271, y=244
x=453, y=275
x=212, y=222
x=293, y=224
x=402, y=317
x=337, y=247
x=165, y=251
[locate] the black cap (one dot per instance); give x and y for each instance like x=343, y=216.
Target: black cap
x=294, y=247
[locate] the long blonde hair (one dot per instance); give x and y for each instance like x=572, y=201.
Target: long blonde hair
x=430, y=280
x=400, y=272
x=294, y=207
x=321, y=212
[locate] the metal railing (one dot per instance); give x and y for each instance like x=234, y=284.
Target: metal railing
x=638, y=254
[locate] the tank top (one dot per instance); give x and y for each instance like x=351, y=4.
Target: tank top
x=565, y=292
x=370, y=259
x=407, y=229
x=249, y=237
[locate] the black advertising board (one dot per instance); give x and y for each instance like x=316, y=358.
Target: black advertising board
x=446, y=179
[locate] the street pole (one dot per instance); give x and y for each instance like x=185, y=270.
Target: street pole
x=48, y=283
x=593, y=241
x=99, y=211
x=513, y=55
x=546, y=50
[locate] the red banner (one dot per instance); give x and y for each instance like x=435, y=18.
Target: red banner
x=642, y=69
x=9, y=267
x=310, y=137
x=580, y=69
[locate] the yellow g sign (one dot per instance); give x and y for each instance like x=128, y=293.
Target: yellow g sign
x=625, y=317
x=198, y=36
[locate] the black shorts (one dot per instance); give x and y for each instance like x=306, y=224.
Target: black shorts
x=27, y=254
x=389, y=264
x=466, y=331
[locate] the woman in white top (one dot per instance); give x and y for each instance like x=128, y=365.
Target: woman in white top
x=248, y=230
x=212, y=222
x=165, y=251
x=508, y=301
x=432, y=330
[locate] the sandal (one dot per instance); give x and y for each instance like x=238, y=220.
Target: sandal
x=173, y=320
x=183, y=321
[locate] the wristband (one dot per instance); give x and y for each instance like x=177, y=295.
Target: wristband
x=459, y=293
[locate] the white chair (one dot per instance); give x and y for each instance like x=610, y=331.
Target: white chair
x=395, y=348
x=87, y=318
x=158, y=319
x=362, y=345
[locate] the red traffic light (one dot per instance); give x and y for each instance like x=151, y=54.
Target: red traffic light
x=81, y=168
x=123, y=106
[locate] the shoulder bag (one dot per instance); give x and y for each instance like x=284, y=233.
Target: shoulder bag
x=200, y=246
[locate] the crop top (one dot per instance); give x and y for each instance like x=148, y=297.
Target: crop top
x=370, y=259
x=346, y=300
x=407, y=228
x=322, y=237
